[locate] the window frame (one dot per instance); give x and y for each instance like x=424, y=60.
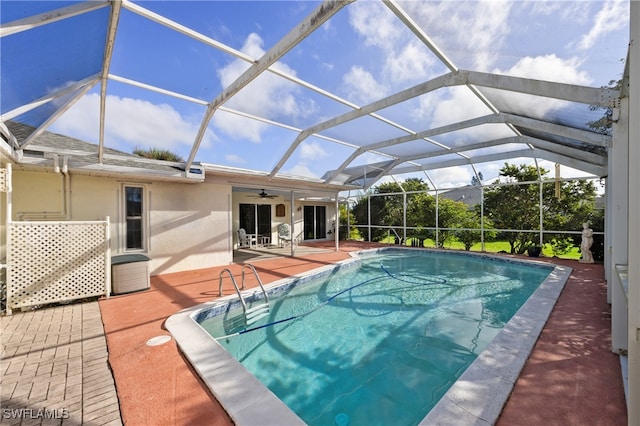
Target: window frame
x=143, y=218
x=311, y=219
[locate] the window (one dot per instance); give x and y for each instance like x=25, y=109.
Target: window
x=134, y=217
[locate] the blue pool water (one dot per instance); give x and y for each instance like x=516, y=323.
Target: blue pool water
x=380, y=342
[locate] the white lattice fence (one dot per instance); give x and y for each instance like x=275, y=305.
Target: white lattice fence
x=49, y=262
x=3, y=180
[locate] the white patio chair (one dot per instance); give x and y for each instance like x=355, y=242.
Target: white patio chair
x=246, y=240
x=284, y=235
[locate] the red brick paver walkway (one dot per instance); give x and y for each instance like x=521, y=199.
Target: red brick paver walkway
x=572, y=377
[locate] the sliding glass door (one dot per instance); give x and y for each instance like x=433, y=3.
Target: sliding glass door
x=315, y=222
x=256, y=215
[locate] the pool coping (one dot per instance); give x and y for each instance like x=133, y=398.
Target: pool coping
x=476, y=398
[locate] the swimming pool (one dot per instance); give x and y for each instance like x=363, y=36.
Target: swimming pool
x=478, y=390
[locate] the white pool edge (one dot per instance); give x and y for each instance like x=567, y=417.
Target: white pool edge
x=245, y=399
x=477, y=397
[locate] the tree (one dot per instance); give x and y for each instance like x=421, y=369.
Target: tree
x=514, y=206
x=348, y=219
x=472, y=234
x=517, y=206
x=414, y=185
x=451, y=215
x=158, y=154
x=477, y=180
x=603, y=124
x=421, y=212
x=387, y=205
x=421, y=209
x=575, y=206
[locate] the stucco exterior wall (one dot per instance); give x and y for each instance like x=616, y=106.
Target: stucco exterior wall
x=188, y=225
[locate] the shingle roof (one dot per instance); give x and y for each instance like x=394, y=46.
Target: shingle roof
x=80, y=153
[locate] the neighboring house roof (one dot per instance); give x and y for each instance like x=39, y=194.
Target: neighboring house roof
x=470, y=195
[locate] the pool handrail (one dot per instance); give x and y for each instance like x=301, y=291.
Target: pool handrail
x=253, y=314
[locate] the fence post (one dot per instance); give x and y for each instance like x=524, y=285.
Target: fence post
x=107, y=257
x=8, y=188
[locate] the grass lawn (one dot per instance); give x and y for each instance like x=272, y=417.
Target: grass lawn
x=494, y=247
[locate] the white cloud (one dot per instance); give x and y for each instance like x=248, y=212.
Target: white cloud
x=575, y=11
x=451, y=177
x=301, y=169
x=238, y=127
x=267, y=96
x=234, y=159
x=403, y=58
x=130, y=122
x=328, y=27
x=408, y=62
x=490, y=27
x=551, y=68
x=477, y=28
x=310, y=151
x=82, y=120
x=548, y=67
x=611, y=17
x=453, y=105
x=369, y=158
x=362, y=87
x=308, y=154
x=374, y=22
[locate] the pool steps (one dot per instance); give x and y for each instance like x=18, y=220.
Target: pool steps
x=254, y=313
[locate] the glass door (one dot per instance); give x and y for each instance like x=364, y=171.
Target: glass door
x=315, y=222
x=309, y=223
x=264, y=220
x=256, y=217
x=248, y=218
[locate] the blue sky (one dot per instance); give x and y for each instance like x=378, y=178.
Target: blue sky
x=362, y=54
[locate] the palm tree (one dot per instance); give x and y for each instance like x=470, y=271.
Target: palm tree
x=158, y=154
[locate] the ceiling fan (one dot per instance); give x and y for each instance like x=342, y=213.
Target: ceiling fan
x=263, y=194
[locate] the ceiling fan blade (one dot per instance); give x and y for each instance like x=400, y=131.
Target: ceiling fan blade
x=262, y=194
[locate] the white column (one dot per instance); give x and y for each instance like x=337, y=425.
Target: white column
x=369, y=217
x=336, y=231
x=8, y=220
x=608, y=225
x=291, y=225
x=634, y=216
x=618, y=210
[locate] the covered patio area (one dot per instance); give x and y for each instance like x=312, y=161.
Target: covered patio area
x=272, y=251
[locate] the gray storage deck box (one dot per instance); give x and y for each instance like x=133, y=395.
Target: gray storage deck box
x=129, y=272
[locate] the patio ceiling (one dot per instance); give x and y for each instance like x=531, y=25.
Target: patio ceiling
x=222, y=101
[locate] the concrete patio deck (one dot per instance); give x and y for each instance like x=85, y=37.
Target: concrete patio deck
x=571, y=377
